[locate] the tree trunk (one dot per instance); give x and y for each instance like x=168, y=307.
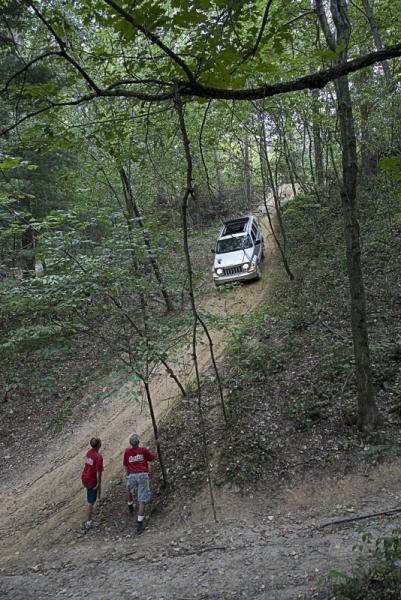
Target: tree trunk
x=247, y=173
x=267, y=177
x=367, y=410
x=369, y=158
x=28, y=246
x=219, y=177
x=133, y=213
x=376, y=36
x=368, y=416
x=317, y=141
x=156, y=433
x=184, y=216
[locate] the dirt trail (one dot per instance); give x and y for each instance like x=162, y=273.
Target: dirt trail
x=262, y=547
x=40, y=507
x=267, y=552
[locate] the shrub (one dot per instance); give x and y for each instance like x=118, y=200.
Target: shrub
x=307, y=411
x=377, y=572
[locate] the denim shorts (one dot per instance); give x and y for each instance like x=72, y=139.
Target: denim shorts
x=139, y=483
x=91, y=495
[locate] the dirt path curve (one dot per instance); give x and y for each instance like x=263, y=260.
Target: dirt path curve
x=39, y=508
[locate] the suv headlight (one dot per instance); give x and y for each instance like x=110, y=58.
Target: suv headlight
x=219, y=271
x=245, y=266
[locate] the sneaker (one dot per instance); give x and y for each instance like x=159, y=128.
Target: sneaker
x=140, y=526
x=88, y=525
x=130, y=508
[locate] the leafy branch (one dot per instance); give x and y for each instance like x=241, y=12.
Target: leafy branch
x=192, y=89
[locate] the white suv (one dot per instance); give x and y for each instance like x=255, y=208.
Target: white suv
x=238, y=252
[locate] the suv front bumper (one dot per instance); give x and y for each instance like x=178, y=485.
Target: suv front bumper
x=243, y=276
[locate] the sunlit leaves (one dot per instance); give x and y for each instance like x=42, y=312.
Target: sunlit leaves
x=13, y=162
x=392, y=167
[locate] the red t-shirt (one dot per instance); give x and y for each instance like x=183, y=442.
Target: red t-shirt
x=93, y=465
x=136, y=459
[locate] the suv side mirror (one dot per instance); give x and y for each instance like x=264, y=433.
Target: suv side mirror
x=213, y=251
x=257, y=242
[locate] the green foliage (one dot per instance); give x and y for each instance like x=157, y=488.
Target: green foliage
x=392, y=167
x=72, y=265
x=380, y=446
x=237, y=407
x=377, y=571
x=297, y=318
x=386, y=358
x=14, y=162
x=254, y=354
x=307, y=411
x=252, y=463
x=57, y=424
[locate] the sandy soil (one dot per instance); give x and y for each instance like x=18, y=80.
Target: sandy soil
x=262, y=547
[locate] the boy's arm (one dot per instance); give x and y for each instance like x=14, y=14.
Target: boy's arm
x=98, y=486
x=99, y=469
x=149, y=455
x=125, y=464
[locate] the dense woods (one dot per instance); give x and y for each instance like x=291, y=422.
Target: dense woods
x=129, y=131
x=122, y=133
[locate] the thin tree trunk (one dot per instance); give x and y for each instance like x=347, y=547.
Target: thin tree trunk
x=376, y=36
x=219, y=176
x=247, y=173
x=189, y=192
x=266, y=163
x=266, y=174
x=292, y=171
x=208, y=182
x=134, y=213
x=317, y=141
x=155, y=432
x=368, y=416
x=367, y=410
x=28, y=245
x=369, y=157
x=276, y=239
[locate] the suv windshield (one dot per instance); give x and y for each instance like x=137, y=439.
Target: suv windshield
x=232, y=244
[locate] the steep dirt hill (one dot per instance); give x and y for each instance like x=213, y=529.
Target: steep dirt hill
x=263, y=546
x=50, y=485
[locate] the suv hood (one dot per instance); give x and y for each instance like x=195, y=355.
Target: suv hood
x=230, y=259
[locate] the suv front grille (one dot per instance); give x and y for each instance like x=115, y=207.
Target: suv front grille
x=232, y=270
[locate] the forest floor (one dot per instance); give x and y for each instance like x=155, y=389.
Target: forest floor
x=270, y=542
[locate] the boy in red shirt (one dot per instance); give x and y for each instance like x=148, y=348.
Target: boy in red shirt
x=92, y=478
x=136, y=466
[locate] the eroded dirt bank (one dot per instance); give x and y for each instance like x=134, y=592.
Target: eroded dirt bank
x=40, y=506
x=263, y=546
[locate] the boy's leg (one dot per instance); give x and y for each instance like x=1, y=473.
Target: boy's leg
x=130, y=502
x=91, y=496
x=89, y=512
x=143, y=498
x=140, y=519
x=131, y=489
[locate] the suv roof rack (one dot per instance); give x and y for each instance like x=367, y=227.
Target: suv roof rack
x=235, y=226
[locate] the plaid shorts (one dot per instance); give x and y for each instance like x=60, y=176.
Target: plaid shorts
x=138, y=483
